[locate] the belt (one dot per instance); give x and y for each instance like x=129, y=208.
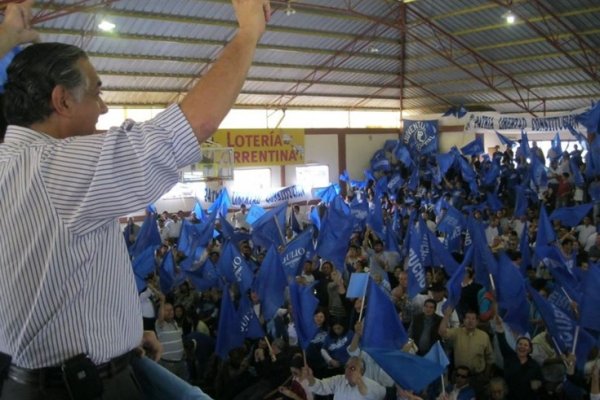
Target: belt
x=52, y=376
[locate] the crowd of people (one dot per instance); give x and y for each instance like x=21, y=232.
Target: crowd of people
x=489, y=358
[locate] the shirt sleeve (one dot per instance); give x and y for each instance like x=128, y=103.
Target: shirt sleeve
x=95, y=177
x=325, y=386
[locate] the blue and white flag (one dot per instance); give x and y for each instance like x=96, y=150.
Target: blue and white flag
x=296, y=253
x=221, y=204
x=254, y=214
x=504, y=140
x=304, y=303
x=421, y=137
x=416, y=270
x=382, y=326
x=234, y=268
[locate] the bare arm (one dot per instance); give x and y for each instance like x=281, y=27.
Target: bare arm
x=210, y=100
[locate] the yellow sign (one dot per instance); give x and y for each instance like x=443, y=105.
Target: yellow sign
x=263, y=146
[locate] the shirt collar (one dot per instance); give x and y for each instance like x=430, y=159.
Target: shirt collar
x=23, y=135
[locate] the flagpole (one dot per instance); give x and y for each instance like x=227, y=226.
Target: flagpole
x=575, y=339
x=273, y=358
x=492, y=283
x=443, y=384
x=556, y=345
x=279, y=230
x=362, y=306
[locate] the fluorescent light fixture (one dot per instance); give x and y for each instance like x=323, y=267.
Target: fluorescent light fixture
x=510, y=17
x=106, y=26
x=289, y=10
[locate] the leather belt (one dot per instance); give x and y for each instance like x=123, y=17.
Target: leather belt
x=52, y=376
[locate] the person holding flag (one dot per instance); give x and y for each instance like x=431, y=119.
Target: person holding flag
x=352, y=385
x=522, y=373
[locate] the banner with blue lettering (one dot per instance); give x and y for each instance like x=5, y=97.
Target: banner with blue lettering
x=421, y=137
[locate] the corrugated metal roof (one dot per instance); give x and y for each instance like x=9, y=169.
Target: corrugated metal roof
x=347, y=54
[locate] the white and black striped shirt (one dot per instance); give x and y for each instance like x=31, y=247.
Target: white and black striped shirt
x=66, y=283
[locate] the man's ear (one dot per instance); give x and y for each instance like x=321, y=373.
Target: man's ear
x=62, y=100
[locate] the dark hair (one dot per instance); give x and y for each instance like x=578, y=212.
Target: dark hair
x=32, y=76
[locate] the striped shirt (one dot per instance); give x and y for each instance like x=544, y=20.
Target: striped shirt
x=169, y=334
x=66, y=282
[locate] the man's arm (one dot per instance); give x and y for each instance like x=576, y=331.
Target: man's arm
x=207, y=103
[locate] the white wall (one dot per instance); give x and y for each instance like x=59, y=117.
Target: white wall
x=360, y=149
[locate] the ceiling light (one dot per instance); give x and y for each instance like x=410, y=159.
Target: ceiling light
x=106, y=26
x=510, y=17
x=373, y=50
x=289, y=10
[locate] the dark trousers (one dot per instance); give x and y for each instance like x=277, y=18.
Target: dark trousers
x=122, y=386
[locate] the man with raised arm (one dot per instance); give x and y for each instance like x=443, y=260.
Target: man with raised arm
x=70, y=309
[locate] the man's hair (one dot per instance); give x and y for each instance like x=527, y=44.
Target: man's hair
x=32, y=76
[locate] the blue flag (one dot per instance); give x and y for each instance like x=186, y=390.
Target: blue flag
x=416, y=269
x=295, y=225
x=392, y=240
x=382, y=326
x=227, y=230
x=221, y=204
x=166, y=273
x=198, y=211
x=555, y=145
x=512, y=295
x=562, y=328
x=474, y=147
x=314, y=218
x=205, y=277
x=520, y=202
x=576, y=173
x=304, y=303
x=234, y=268
x=592, y=158
x=590, y=118
x=270, y=284
x=581, y=139
x=375, y=219
x=525, y=250
x=360, y=214
x=296, y=253
x=445, y=161
x=403, y=155
x=269, y=229
x=539, y=175
x=249, y=324
x=545, y=232
x=504, y=140
x=440, y=255
x=345, y=177
x=143, y=264
x=590, y=312
x=484, y=262
x=407, y=370
x=421, y=137
x=571, y=216
x=228, y=334
x=254, y=214
x=437, y=355
x=524, y=146
x=327, y=194
x=357, y=287
x=148, y=236
x=454, y=284
x=332, y=243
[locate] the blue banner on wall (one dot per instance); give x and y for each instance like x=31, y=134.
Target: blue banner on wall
x=421, y=137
